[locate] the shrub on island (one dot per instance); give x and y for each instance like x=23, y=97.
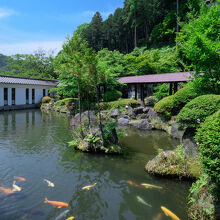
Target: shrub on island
x=196, y=111
x=46, y=99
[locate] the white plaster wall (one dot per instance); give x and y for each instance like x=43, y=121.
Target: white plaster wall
x=20, y=93
x=20, y=96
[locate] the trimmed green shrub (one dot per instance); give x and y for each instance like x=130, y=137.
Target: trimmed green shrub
x=208, y=137
x=198, y=109
x=112, y=95
x=183, y=96
x=172, y=106
x=117, y=104
x=46, y=99
x=67, y=102
x=165, y=106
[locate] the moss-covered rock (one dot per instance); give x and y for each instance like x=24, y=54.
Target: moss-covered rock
x=174, y=164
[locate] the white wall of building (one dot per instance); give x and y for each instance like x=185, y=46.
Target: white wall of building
x=20, y=93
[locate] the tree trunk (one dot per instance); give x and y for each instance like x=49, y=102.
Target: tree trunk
x=99, y=112
x=177, y=14
x=135, y=35
x=89, y=125
x=80, y=110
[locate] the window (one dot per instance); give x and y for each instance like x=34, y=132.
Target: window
x=33, y=96
x=27, y=96
x=13, y=96
x=5, y=96
x=44, y=92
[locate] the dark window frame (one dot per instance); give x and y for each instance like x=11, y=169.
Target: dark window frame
x=27, y=96
x=5, y=96
x=13, y=95
x=33, y=96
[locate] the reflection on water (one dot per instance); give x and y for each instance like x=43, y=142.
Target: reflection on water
x=33, y=145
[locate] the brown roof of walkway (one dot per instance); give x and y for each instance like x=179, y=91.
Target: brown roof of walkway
x=158, y=78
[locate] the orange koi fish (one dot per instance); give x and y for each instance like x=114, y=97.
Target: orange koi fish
x=6, y=191
x=56, y=203
x=169, y=213
x=132, y=183
x=19, y=178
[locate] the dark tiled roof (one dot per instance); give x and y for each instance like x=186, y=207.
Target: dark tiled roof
x=27, y=81
x=158, y=78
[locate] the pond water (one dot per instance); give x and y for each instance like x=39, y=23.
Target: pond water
x=33, y=145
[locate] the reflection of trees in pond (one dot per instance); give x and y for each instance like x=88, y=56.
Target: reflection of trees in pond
x=42, y=135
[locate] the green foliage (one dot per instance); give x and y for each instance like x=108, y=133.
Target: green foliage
x=165, y=106
x=66, y=102
x=112, y=95
x=208, y=137
x=118, y=104
x=36, y=65
x=198, y=109
x=201, y=201
x=46, y=99
x=92, y=139
x=161, y=91
x=198, y=47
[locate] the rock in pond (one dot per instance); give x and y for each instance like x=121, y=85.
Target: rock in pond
x=123, y=121
x=143, y=124
x=74, y=122
x=139, y=110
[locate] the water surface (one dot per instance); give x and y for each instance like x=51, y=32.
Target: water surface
x=34, y=145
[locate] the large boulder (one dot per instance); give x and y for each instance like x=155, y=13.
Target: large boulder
x=129, y=111
x=150, y=101
x=75, y=121
x=115, y=113
x=142, y=124
x=177, y=131
x=189, y=144
x=139, y=110
x=123, y=121
x=152, y=114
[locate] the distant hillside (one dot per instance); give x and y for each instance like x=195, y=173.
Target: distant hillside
x=3, y=61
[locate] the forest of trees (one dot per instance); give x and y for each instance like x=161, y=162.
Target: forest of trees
x=148, y=23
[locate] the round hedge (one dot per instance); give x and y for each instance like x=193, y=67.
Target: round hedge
x=208, y=136
x=195, y=112
x=165, y=106
x=172, y=106
x=183, y=96
x=112, y=95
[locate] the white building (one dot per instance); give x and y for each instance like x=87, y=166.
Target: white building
x=22, y=93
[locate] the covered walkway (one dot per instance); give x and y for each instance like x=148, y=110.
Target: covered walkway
x=143, y=85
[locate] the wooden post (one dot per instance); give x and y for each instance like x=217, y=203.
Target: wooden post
x=175, y=87
x=142, y=94
x=171, y=89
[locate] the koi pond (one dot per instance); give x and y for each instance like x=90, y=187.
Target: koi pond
x=33, y=145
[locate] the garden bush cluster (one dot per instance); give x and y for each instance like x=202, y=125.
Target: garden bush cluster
x=208, y=137
x=195, y=112
x=46, y=99
x=112, y=95
x=171, y=105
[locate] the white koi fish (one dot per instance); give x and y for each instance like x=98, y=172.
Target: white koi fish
x=16, y=188
x=50, y=184
x=139, y=199
x=62, y=215
x=89, y=187
x=149, y=186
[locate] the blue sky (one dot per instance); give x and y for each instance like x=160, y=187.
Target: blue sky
x=27, y=25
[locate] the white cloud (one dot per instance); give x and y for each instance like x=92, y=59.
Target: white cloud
x=30, y=47
x=6, y=12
